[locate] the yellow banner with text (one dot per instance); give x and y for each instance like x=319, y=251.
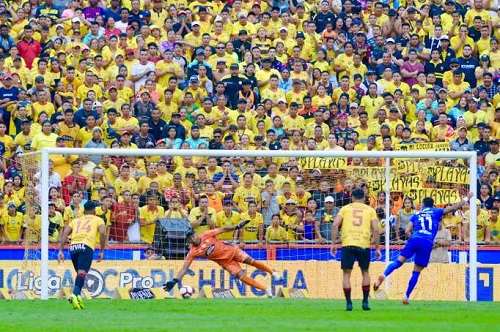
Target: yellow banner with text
x=405, y=166
x=440, y=196
x=400, y=184
x=323, y=163
x=448, y=174
x=322, y=279
x=369, y=173
x=430, y=146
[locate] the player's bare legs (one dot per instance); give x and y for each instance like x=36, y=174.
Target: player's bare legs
x=346, y=285
x=253, y=283
x=412, y=283
x=391, y=268
x=263, y=267
x=365, y=285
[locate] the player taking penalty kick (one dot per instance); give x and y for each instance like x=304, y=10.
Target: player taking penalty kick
x=207, y=245
x=83, y=232
x=358, y=222
x=425, y=225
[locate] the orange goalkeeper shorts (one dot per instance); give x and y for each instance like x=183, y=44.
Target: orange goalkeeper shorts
x=232, y=266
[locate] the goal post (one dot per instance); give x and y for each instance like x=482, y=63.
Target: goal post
x=387, y=156
x=44, y=239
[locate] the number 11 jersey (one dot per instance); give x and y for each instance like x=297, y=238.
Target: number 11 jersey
x=426, y=223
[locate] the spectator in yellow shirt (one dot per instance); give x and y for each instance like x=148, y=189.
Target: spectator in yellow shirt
x=44, y=139
x=494, y=226
x=227, y=217
x=243, y=24
x=148, y=215
x=483, y=224
x=276, y=233
x=254, y=230
x=11, y=224
x=473, y=117
x=457, y=87
x=203, y=217
x=458, y=42
x=491, y=157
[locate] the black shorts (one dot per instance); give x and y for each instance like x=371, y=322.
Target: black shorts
x=81, y=256
x=351, y=254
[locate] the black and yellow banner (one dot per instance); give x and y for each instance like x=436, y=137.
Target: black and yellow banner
x=409, y=166
x=440, y=196
x=448, y=174
x=431, y=146
x=323, y=163
x=398, y=184
x=369, y=173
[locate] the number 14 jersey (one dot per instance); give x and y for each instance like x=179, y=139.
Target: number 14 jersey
x=85, y=230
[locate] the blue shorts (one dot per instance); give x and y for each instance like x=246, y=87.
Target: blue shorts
x=419, y=247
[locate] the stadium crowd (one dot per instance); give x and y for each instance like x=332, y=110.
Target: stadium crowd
x=228, y=75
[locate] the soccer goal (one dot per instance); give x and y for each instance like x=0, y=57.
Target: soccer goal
x=291, y=197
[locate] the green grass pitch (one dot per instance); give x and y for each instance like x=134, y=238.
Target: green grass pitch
x=246, y=315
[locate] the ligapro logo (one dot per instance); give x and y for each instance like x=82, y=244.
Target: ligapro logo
x=94, y=282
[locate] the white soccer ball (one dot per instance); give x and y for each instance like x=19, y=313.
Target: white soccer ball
x=186, y=292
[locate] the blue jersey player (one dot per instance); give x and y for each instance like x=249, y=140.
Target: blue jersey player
x=425, y=225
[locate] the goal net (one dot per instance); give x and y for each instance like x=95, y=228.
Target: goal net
x=150, y=198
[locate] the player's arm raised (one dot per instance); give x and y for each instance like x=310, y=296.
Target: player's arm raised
x=458, y=205
x=64, y=237
x=335, y=229
x=376, y=237
x=234, y=228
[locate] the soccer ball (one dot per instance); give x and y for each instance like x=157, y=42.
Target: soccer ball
x=186, y=292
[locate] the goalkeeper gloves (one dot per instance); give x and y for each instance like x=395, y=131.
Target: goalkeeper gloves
x=241, y=224
x=170, y=284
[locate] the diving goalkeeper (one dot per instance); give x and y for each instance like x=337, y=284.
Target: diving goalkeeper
x=207, y=245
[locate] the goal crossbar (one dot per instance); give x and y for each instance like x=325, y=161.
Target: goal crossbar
x=265, y=153
x=387, y=155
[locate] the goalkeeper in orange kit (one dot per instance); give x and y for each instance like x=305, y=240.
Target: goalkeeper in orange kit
x=207, y=245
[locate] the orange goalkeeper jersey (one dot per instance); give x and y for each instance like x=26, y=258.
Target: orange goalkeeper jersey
x=212, y=248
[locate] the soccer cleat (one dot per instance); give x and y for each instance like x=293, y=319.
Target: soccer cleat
x=277, y=276
x=73, y=300
x=80, y=302
x=379, y=282
x=380, y=295
x=365, y=306
x=405, y=300
x=348, y=306
x=269, y=292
